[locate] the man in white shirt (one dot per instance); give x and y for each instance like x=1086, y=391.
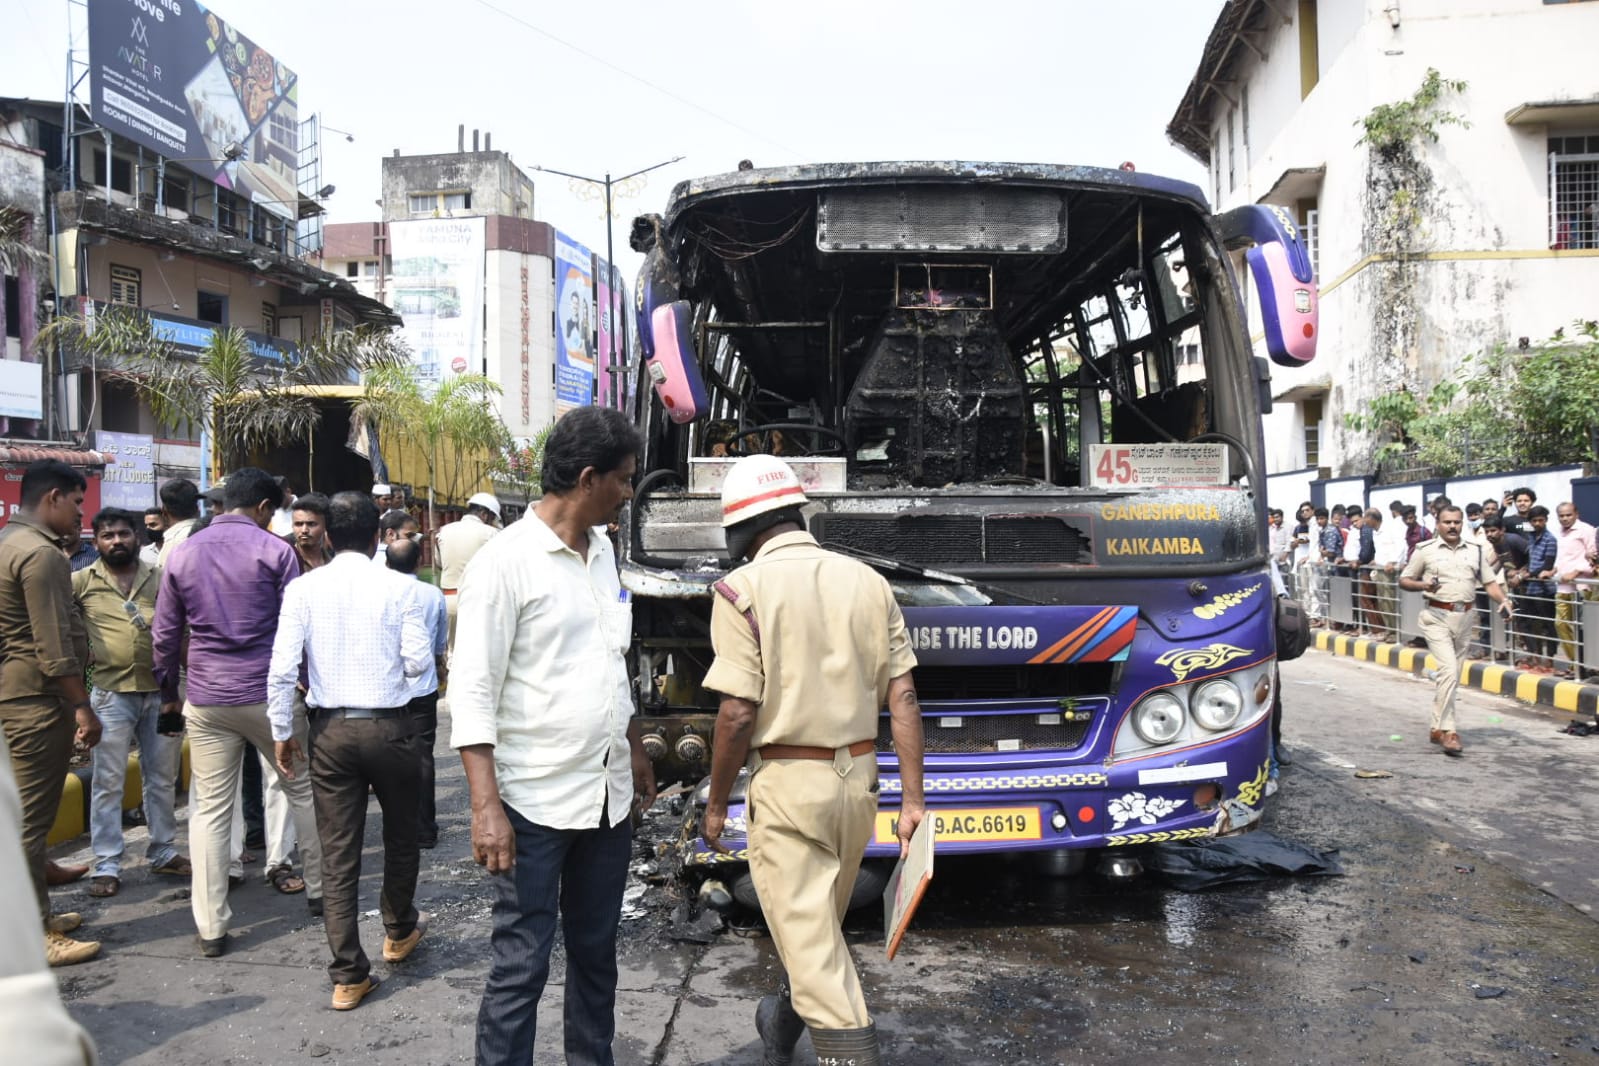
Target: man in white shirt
x=180, y=507
x=404, y=557
x=542, y=715
x=459, y=542
x=360, y=632
x=394, y=526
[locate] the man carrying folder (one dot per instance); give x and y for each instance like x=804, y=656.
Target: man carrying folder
x=800, y=701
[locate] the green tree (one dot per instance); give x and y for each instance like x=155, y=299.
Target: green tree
x=16, y=247
x=454, y=427
x=243, y=401
x=523, y=466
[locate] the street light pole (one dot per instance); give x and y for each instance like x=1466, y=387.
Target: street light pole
x=613, y=294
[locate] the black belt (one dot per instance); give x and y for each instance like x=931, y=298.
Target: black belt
x=360, y=712
x=1456, y=608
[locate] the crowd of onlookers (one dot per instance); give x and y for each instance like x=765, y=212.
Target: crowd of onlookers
x=1545, y=568
x=172, y=624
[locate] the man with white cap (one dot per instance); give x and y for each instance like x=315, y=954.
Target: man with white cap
x=809, y=646
x=383, y=497
x=459, y=541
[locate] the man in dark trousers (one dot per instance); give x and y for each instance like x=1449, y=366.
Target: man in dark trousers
x=44, y=705
x=359, y=630
x=404, y=557
x=542, y=713
x=809, y=646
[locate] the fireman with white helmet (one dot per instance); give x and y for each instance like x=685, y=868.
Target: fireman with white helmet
x=458, y=542
x=800, y=704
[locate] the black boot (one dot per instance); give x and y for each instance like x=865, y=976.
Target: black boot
x=780, y=1030
x=846, y=1047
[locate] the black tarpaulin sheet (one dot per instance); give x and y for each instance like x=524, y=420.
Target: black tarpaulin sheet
x=1255, y=856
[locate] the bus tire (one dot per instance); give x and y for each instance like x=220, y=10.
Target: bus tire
x=869, y=885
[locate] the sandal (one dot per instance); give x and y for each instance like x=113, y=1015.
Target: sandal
x=284, y=879
x=177, y=866
x=104, y=886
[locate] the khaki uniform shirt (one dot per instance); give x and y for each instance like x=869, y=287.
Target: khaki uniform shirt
x=119, y=637
x=1459, y=569
x=832, y=638
x=458, y=542
x=41, y=636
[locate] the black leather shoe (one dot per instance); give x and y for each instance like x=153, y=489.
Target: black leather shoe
x=314, y=903
x=214, y=949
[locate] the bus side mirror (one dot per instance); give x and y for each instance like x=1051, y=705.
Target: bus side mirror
x=674, y=368
x=1280, y=266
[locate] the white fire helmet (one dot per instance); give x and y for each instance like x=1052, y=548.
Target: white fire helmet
x=757, y=484
x=485, y=500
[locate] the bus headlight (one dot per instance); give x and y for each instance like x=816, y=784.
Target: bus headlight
x=1217, y=705
x=1158, y=719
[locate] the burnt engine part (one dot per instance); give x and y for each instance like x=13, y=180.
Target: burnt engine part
x=938, y=400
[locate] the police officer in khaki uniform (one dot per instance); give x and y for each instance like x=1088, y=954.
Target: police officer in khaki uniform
x=809, y=647
x=1446, y=570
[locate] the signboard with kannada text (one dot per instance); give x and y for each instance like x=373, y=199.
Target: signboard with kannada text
x=1127, y=466
x=130, y=481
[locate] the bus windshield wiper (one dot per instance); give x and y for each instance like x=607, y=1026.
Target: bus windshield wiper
x=898, y=566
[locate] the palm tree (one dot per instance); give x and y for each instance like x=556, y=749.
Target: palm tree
x=16, y=244
x=243, y=401
x=454, y=427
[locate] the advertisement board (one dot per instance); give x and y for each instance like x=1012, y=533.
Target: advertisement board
x=438, y=290
x=574, y=324
x=610, y=291
x=21, y=389
x=130, y=481
x=175, y=77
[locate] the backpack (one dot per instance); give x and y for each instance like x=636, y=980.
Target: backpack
x=1293, y=629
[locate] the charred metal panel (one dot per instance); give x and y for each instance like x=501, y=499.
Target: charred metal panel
x=938, y=400
x=956, y=539
x=974, y=733
x=941, y=218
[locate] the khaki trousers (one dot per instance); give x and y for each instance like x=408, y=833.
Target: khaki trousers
x=39, y=732
x=216, y=746
x=1568, y=609
x=1447, y=633
x=1386, y=622
x=808, y=830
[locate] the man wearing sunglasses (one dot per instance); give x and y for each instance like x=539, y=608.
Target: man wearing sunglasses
x=115, y=596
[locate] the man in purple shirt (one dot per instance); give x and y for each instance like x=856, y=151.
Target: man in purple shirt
x=224, y=586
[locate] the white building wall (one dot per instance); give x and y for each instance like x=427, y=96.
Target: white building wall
x=1487, y=275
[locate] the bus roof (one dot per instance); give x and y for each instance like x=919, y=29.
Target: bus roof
x=816, y=175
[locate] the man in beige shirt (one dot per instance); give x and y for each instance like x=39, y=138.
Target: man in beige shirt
x=459, y=541
x=180, y=506
x=1447, y=569
x=800, y=702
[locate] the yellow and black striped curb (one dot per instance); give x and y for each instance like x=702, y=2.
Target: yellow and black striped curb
x=1573, y=697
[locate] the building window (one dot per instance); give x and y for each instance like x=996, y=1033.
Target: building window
x=1312, y=410
x=227, y=212
x=125, y=286
x=1189, y=353
x=1243, y=118
x=121, y=171
x=369, y=268
x=269, y=319
x=1309, y=48
x=175, y=191
x=438, y=203
x=1232, y=149
x=284, y=131
x=1574, y=191
x=211, y=307
x=352, y=269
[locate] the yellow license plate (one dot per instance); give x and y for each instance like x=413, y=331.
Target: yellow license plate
x=958, y=824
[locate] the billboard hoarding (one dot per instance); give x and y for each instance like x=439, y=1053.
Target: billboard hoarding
x=438, y=290
x=179, y=80
x=574, y=324
x=11, y=494
x=21, y=389
x=610, y=291
x=130, y=481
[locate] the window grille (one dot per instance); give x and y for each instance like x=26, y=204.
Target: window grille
x=125, y=286
x=1574, y=192
x=1312, y=233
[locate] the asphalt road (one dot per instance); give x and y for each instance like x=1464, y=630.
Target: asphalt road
x=1460, y=934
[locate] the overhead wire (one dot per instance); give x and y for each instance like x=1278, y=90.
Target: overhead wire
x=630, y=75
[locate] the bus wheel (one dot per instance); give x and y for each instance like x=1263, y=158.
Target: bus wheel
x=869, y=885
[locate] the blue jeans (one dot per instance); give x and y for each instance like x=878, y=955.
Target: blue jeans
x=583, y=872
x=125, y=716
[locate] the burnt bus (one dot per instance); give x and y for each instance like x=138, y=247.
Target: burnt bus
x=1026, y=395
